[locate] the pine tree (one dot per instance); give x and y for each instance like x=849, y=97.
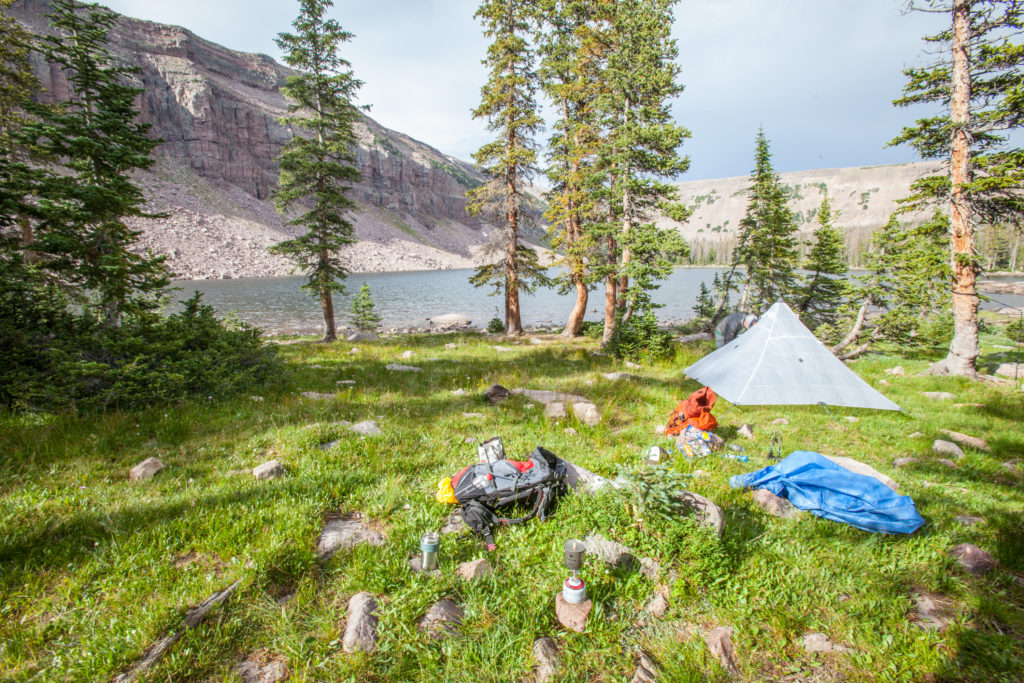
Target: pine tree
x=822, y=290
x=639, y=152
x=81, y=236
x=318, y=171
x=364, y=317
x=570, y=48
x=978, y=88
x=17, y=82
x=704, y=309
x=767, y=236
x=508, y=102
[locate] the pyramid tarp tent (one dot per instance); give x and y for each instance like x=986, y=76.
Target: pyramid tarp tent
x=779, y=362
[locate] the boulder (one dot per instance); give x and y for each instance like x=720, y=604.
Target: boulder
x=271, y=469
x=366, y=428
x=648, y=669
x=361, y=336
x=360, y=624
x=474, y=569
x=780, y=421
x=545, y=654
x=897, y=371
x=579, y=478
x=317, y=396
x=572, y=616
x=658, y=605
x=344, y=533
x=587, y=413
x=915, y=435
x=708, y=513
x=443, y=618
x=1010, y=370
x=860, y=468
x=407, y=355
x=449, y=321
x=746, y=431
x=396, y=367
x=883, y=383
x=496, y=394
x=968, y=441
x=819, y=642
x=719, y=642
x=774, y=505
x=555, y=411
x=947, y=462
x=973, y=559
x=618, y=376
x=940, y=447
x=903, y=462
x=145, y=469
x=253, y=670
x=938, y=395
x=611, y=552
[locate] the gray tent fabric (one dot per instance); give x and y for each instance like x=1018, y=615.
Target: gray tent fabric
x=779, y=362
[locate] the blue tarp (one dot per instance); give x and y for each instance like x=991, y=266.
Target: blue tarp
x=814, y=483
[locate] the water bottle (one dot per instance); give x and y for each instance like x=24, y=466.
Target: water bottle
x=741, y=458
x=428, y=548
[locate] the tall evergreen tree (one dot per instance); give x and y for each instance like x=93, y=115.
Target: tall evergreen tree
x=16, y=85
x=571, y=60
x=318, y=171
x=82, y=237
x=767, y=235
x=640, y=151
x=978, y=87
x=364, y=315
x=821, y=293
x=508, y=102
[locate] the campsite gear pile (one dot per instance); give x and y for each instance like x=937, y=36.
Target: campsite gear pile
x=574, y=591
x=496, y=483
x=694, y=412
x=814, y=483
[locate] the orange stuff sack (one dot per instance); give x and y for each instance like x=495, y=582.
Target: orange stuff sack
x=696, y=411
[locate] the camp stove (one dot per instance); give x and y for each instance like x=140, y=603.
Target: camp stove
x=574, y=591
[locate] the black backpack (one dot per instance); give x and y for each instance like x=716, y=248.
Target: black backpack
x=484, y=489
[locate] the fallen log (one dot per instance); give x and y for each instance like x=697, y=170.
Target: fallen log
x=696, y=337
x=192, y=619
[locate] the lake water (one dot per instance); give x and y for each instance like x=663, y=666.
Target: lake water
x=407, y=299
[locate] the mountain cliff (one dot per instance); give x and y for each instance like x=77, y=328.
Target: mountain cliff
x=216, y=110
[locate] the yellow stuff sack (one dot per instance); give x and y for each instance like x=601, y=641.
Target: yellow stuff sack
x=445, y=492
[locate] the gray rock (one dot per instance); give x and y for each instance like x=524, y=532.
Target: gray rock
x=366, y=428
x=458, y=392
x=345, y=533
x=708, y=513
x=631, y=365
x=931, y=612
x=545, y=654
x=903, y=462
x=361, y=336
x=658, y=605
x=648, y=669
x=819, y=642
x=579, y=478
x=611, y=552
x=883, y=383
x=360, y=624
x=474, y=569
x=774, y=505
x=396, y=367
x=145, y=469
x=1010, y=370
x=618, y=376
x=898, y=371
x=719, y=642
x=407, y=355
x=317, y=396
x=746, y=431
x=449, y=321
x=252, y=671
x=443, y=618
x=915, y=435
x=555, y=411
x=587, y=413
x=780, y=421
x=974, y=442
x=947, y=462
x=271, y=469
x=938, y=395
x=496, y=394
x=969, y=520
x=473, y=416
x=973, y=559
x=940, y=447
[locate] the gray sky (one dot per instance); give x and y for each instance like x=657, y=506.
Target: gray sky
x=819, y=75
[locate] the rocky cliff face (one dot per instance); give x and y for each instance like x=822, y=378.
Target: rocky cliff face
x=216, y=110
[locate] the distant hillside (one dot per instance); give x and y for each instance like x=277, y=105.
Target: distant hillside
x=864, y=197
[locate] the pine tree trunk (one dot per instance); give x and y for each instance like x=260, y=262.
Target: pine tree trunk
x=579, y=309
x=627, y=226
x=963, y=350
x=327, y=304
x=610, y=283
x=513, y=321
x=27, y=239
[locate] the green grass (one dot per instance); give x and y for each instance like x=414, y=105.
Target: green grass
x=94, y=567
